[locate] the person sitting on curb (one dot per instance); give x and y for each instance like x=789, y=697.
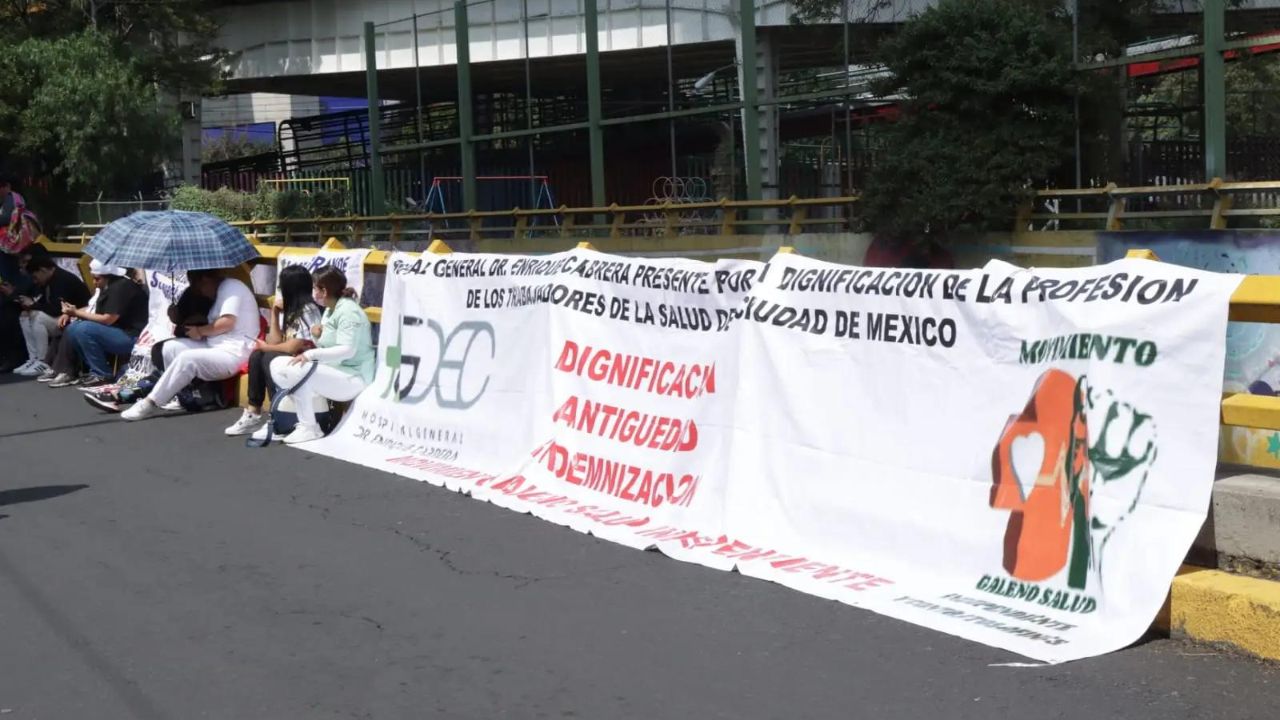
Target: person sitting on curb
x=16, y=283
x=111, y=328
x=211, y=352
x=62, y=358
x=344, y=356
x=53, y=287
x=293, y=314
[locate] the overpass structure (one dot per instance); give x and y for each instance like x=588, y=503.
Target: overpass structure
x=532, y=68
x=608, y=84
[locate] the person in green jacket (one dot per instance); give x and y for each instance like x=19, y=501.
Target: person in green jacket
x=344, y=355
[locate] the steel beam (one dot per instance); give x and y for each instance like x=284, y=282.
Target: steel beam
x=1215, y=103
x=750, y=95
x=377, y=181
x=595, y=108
x=466, y=122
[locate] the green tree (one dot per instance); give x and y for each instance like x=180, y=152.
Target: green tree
x=76, y=108
x=1252, y=100
x=986, y=116
x=88, y=97
x=171, y=42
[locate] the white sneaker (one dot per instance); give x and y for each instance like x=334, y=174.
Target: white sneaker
x=303, y=432
x=173, y=406
x=142, y=410
x=64, y=380
x=248, y=422
x=28, y=368
x=39, y=369
x=261, y=434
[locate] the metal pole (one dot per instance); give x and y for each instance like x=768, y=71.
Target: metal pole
x=528, y=104
x=1075, y=59
x=377, y=183
x=848, y=124
x=595, y=112
x=417, y=86
x=671, y=95
x=1215, y=112
x=750, y=99
x=466, y=126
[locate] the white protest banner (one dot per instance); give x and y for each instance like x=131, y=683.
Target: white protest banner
x=349, y=262
x=1017, y=457
x=993, y=453
x=163, y=290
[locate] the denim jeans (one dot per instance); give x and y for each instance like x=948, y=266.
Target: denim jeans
x=94, y=342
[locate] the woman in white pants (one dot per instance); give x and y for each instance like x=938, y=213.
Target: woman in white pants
x=215, y=351
x=344, y=355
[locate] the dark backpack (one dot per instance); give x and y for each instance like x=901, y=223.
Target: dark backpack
x=203, y=395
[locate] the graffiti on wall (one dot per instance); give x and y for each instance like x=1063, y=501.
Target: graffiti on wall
x=1253, y=349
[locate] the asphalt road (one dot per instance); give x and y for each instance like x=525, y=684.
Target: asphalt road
x=160, y=570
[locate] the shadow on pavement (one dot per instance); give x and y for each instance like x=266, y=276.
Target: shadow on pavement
x=109, y=419
x=36, y=494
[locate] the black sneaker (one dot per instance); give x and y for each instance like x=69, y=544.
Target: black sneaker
x=105, y=402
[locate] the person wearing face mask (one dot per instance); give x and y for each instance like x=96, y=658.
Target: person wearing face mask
x=211, y=352
x=344, y=355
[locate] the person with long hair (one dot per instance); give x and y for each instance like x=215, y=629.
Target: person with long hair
x=344, y=356
x=293, y=314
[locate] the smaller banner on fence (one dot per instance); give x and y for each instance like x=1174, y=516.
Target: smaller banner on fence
x=350, y=262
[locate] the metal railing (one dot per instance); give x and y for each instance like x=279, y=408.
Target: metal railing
x=724, y=217
x=1216, y=205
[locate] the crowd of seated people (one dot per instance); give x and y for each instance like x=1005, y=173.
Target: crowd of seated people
x=318, y=344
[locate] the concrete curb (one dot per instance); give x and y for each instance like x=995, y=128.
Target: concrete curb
x=1216, y=607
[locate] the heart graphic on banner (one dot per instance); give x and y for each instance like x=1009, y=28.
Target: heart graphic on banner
x=1027, y=457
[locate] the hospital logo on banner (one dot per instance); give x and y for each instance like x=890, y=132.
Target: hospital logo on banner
x=1070, y=441
x=453, y=368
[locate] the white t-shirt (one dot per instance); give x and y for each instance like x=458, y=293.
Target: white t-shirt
x=235, y=298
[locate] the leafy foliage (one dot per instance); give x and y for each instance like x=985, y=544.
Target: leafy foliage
x=231, y=146
x=267, y=203
x=88, y=88
x=80, y=110
x=986, y=115
x=1252, y=99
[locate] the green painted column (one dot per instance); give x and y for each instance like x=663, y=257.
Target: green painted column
x=377, y=181
x=466, y=122
x=595, y=112
x=1215, y=92
x=749, y=91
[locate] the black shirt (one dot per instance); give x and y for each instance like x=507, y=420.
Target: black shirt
x=62, y=287
x=127, y=299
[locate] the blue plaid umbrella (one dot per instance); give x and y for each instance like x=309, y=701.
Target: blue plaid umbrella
x=171, y=240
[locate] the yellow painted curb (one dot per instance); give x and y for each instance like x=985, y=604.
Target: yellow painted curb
x=1217, y=607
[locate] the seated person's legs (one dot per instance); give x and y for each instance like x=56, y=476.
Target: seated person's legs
x=327, y=382
x=37, y=329
x=96, y=342
x=67, y=361
x=184, y=361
